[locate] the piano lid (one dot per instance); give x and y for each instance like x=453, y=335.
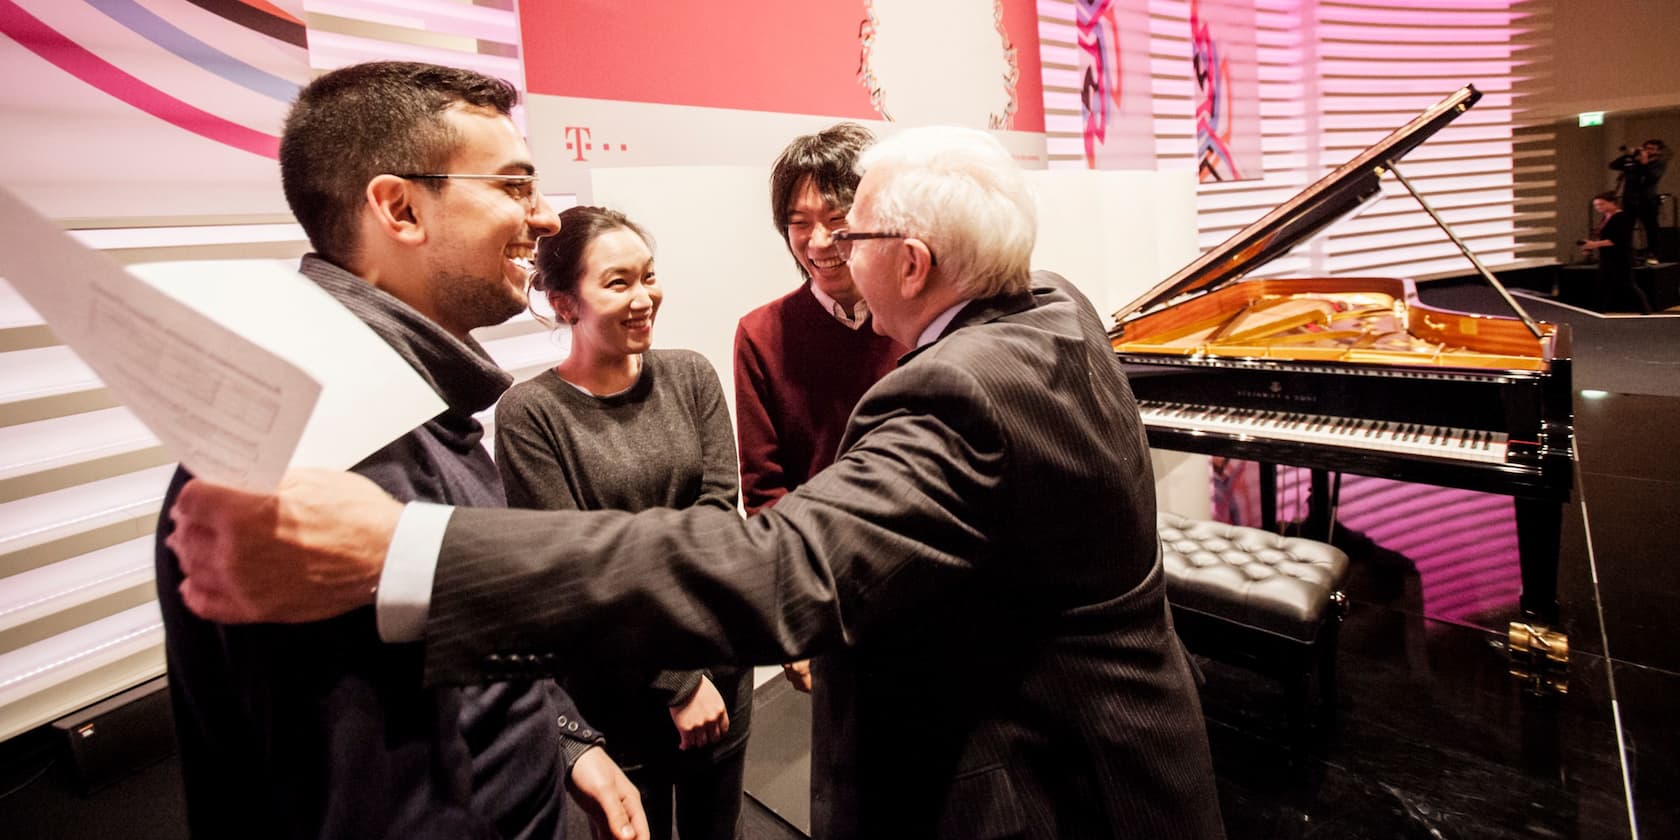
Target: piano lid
x=1309, y=212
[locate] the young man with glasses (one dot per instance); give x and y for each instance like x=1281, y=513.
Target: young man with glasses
x=803, y=359
x=418, y=194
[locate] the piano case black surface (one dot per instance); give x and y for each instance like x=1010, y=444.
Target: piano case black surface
x=1466, y=390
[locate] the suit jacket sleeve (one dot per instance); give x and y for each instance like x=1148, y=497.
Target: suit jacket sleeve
x=763, y=481
x=576, y=735
x=906, y=505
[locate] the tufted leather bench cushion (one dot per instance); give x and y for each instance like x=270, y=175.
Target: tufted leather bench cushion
x=1251, y=577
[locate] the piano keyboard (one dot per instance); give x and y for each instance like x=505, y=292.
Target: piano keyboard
x=1346, y=432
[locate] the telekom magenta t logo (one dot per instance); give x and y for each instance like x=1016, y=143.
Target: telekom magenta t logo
x=577, y=139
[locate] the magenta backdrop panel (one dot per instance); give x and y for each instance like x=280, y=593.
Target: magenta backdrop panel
x=1227, y=75
x=750, y=55
x=1117, y=126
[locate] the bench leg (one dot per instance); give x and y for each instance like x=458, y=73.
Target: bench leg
x=1326, y=716
x=1328, y=639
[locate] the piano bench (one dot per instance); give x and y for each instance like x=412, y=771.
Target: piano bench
x=1253, y=598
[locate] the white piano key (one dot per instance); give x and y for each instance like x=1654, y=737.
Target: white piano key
x=1331, y=431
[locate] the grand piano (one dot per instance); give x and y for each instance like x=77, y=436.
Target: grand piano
x=1355, y=375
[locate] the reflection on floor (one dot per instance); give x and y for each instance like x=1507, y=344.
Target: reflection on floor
x=1431, y=735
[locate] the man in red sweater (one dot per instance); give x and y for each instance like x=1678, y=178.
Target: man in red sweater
x=803, y=359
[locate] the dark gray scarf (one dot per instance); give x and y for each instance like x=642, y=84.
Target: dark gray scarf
x=461, y=372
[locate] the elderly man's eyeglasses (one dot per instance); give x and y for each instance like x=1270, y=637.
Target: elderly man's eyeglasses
x=843, y=240
x=521, y=188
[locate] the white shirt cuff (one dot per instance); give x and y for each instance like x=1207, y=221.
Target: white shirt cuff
x=405, y=584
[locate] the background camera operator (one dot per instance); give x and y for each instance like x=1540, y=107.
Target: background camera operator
x=1641, y=169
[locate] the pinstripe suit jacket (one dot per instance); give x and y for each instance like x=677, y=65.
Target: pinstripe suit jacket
x=978, y=568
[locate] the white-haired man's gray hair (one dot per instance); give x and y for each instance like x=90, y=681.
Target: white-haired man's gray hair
x=960, y=191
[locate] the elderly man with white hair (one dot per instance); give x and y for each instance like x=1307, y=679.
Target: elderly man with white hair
x=978, y=566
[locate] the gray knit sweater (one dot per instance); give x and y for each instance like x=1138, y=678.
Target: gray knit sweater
x=664, y=442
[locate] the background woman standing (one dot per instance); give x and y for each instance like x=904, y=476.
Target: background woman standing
x=1613, y=243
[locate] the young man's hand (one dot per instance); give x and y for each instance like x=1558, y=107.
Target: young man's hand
x=609, y=798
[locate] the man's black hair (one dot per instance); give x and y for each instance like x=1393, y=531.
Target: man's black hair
x=357, y=122
x=828, y=159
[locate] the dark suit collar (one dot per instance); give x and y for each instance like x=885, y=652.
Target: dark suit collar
x=980, y=311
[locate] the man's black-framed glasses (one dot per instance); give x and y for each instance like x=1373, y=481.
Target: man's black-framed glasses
x=843, y=240
x=521, y=188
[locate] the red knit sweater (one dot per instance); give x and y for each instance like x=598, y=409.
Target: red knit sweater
x=798, y=375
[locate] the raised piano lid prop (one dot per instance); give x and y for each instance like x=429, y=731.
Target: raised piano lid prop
x=1356, y=375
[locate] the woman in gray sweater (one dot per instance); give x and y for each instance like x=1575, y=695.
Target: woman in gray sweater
x=620, y=426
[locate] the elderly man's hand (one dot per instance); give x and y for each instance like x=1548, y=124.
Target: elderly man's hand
x=313, y=550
